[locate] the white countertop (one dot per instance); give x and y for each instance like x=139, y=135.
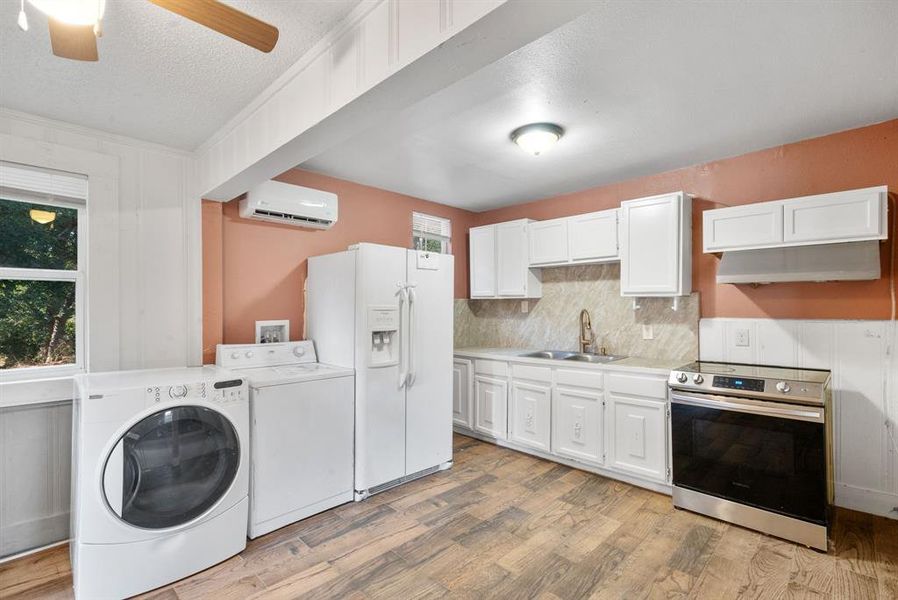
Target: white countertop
x=655, y=366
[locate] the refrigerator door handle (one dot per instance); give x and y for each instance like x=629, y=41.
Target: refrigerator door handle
x=403, y=296
x=412, y=299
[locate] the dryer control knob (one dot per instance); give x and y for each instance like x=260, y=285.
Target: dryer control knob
x=299, y=351
x=235, y=355
x=249, y=354
x=783, y=387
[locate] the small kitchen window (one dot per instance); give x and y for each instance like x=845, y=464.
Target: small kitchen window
x=42, y=250
x=431, y=233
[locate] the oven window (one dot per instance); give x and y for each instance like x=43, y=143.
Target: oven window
x=768, y=462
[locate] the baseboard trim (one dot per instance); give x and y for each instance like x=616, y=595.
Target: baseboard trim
x=884, y=504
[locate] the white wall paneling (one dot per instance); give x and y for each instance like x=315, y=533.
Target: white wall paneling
x=861, y=355
x=349, y=81
x=35, y=461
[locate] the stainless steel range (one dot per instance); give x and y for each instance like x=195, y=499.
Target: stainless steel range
x=752, y=445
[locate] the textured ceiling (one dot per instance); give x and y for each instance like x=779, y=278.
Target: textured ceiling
x=640, y=87
x=160, y=77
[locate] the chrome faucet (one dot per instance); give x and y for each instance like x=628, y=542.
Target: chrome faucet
x=586, y=329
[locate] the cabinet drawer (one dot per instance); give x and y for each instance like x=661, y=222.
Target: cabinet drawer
x=638, y=385
x=491, y=367
x=584, y=378
x=531, y=372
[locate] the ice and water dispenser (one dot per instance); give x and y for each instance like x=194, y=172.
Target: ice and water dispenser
x=383, y=326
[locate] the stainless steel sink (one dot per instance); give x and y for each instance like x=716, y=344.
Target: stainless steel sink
x=595, y=358
x=550, y=354
x=578, y=356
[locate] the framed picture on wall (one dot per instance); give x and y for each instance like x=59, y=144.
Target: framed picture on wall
x=272, y=332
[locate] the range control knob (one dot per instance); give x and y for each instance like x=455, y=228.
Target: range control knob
x=697, y=378
x=250, y=354
x=177, y=391
x=235, y=355
x=682, y=378
x=299, y=351
x=783, y=387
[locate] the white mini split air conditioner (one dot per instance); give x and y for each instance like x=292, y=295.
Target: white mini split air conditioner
x=291, y=204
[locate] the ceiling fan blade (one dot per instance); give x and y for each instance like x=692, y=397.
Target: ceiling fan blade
x=77, y=42
x=225, y=20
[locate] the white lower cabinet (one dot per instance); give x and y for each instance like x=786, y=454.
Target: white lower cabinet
x=491, y=406
x=577, y=424
x=637, y=436
x=531, y=414
x=461, y=392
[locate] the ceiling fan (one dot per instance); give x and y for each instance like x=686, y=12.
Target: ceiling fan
x=75, y=25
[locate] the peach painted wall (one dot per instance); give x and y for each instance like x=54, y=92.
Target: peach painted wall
x=857, y=158
x=263, y=265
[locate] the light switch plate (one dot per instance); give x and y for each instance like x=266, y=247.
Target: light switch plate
x=742, y=337
x=525, y=306
x=648, y=332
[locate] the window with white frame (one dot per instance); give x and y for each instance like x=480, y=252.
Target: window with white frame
x=42, y=256
x=431, y=233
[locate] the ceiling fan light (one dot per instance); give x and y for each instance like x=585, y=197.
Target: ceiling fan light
x=72, y=12
x=23, y=18
x=42, y=216
x=537, y=138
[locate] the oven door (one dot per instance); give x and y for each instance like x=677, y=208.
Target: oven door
x=769, y=455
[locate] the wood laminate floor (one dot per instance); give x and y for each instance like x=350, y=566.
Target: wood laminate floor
x=501, y=524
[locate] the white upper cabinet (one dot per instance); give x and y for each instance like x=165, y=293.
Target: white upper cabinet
x=500, y=262
x=852, y=216
x=482, y=260
x=549, y=242
x=580, y=239
x=656, y=246
x=749, y=226
x=593, y=237
x=841, y=217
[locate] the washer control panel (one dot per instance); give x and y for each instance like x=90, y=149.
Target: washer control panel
x=243, y=356
x=228, y=390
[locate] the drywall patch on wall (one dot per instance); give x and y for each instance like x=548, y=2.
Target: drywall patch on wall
x=553, y=321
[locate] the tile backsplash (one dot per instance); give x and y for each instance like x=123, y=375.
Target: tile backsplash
x=553, y=321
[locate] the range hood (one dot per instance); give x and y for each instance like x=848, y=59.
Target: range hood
x=849, y=261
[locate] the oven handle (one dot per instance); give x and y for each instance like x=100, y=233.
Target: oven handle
x=755, y=407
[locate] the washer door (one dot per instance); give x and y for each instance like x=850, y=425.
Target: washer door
x=171, y=467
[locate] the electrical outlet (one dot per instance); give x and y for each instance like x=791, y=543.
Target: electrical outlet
x=742, y=337
x=648, y=332
x=525, y=306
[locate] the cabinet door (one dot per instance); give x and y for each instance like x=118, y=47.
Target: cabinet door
x=750, y=226
x=491, y=406
x=637, y=436
x=513, y=260
x=548, y=242
x=593, y=236
x=650, y=246
x=461, y=392
x=856, y=214
x=577, y=424
x=531, y=409
x=483, y=261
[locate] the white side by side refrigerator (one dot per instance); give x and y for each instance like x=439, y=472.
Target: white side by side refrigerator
x=387, y=312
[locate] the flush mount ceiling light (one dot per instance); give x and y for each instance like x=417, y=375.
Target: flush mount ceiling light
x=537, y=138
x=72, y=12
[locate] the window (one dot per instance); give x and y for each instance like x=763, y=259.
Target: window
x=42, y=228
x=431, y=233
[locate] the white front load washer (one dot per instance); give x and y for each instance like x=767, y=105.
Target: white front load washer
x=160, y=477
x=303, y=415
